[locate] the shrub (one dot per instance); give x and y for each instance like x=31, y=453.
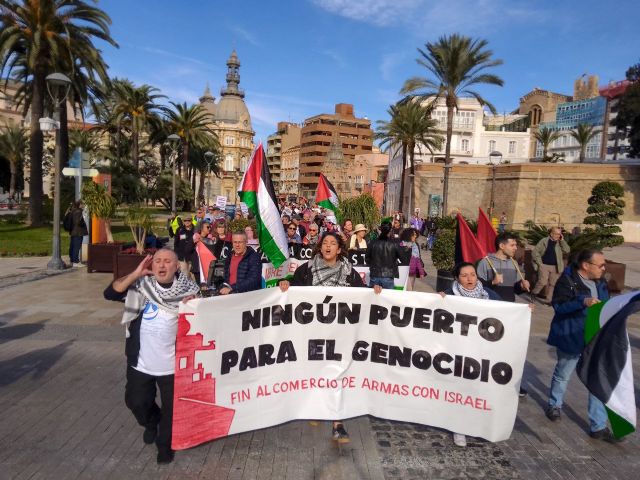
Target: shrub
x=444, y=250
x=604, y=211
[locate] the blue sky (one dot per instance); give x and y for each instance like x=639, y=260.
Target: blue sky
x=300, y=57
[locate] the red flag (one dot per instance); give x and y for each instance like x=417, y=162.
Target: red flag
x=468, y=249
x=205, y=257
x=486, y=234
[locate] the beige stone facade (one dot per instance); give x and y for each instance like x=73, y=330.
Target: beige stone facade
x=355, y=137
x=287, y=136
x=289, y=171
x=545, y=193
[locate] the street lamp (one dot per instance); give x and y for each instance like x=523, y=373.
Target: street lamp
x=498, y=156
x=208, y=157
x=174, y=141
x=58, y=86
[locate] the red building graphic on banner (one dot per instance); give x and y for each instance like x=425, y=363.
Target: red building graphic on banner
x=196, y=417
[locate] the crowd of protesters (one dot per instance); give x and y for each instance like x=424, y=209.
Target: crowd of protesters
x=208, y=256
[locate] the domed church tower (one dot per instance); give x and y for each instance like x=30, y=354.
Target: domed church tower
x=233, y=126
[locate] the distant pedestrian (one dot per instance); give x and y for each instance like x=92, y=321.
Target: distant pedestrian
x=408, y=239
x=502, y=223
x=430, y=229
x=78, y=230
x=548, y=259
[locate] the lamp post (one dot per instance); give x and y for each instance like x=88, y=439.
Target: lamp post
x=174, y=140
x=498, y=156
x=58, y=86
x=208, y=157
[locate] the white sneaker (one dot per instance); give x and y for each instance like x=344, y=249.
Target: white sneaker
x=460, y=440
x=78, y=265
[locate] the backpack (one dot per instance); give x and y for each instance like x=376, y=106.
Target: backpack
x=67, y=222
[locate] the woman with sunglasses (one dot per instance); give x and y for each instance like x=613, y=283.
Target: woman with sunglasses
x=311, y=238
x=292, y=233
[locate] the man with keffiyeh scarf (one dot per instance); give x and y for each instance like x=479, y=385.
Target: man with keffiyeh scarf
x=151, y=295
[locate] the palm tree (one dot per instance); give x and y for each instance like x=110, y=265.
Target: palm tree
x=546, y=137
x=410, y=126
x=583, y=135
x=192, y=125
x=456, y=64
x=13, y=147
x=137, y=106
x=39, y=36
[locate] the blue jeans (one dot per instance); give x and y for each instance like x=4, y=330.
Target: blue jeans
x=564, y=368
x=384, y=282
x=431, y=238
x=75, y=245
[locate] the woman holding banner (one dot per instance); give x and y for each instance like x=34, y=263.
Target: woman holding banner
x=328, y=267
x=466, y=284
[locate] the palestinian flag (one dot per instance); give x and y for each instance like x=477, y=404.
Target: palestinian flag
x=256, y=191
x=605, y=364
x=326, y=195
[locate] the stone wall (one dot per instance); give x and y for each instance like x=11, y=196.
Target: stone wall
x=545, y=193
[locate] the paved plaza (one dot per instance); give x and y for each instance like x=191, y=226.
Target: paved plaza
x=63, y=416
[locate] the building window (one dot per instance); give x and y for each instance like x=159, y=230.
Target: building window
x=243, y=164
x=492, y=146
x=465, y=145
x=538, y=150
x=228, y=162
x=229, y=141
x=512, y=147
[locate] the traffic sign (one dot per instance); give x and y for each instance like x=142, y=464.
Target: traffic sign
x=86, y=172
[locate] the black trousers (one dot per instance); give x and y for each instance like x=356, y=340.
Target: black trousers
x=140, y=398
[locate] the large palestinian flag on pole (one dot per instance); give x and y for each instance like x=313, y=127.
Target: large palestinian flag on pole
x=326, y=195
x=605, y=364
x=256, y=191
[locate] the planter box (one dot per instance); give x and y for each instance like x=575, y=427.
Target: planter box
x=614, y=274
x=444, y=280
x=102, y=257
x=126, y=263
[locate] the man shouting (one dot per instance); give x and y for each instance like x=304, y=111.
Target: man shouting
x=151, y=295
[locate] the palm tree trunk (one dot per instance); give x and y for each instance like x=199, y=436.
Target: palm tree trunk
x=582, y=153
x=35, y=150
x=404, y=163
x=135, y=157
x=412, y=180
x=185, y=160
x=447, y=156
x=201, y=186
x=13, y=172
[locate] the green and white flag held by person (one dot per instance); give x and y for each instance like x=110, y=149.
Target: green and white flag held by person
x=256, y=191
x=605, y=364
x=326, y=195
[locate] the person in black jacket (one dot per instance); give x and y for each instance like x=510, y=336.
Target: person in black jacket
x=183, y=244
x=382, y=257
x=328, y=267
x=78, y=230
x=151, y=295
x=242, y=268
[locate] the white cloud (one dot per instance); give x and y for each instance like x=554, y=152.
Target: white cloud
x=335, y=56
x=245, y=35
x=437, y=16
x=390, y=62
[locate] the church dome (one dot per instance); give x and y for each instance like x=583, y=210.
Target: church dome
x=231, y=109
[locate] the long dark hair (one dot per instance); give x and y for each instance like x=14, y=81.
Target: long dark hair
x=343, y=250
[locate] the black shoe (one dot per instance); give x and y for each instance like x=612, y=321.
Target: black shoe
x=523, y=392
x=339, y=434
x=165, y=455
x=553, y=413
x=604, y=434
x=149, y=435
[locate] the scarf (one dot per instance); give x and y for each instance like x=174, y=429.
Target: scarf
x=146, y=289
x=329, y=276
x=478, y=292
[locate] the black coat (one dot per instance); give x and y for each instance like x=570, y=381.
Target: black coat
x=183, y=244
x=382, y=257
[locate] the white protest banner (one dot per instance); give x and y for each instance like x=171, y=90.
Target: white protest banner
x=221, y=201
x=257, y=359
x=244, y=209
